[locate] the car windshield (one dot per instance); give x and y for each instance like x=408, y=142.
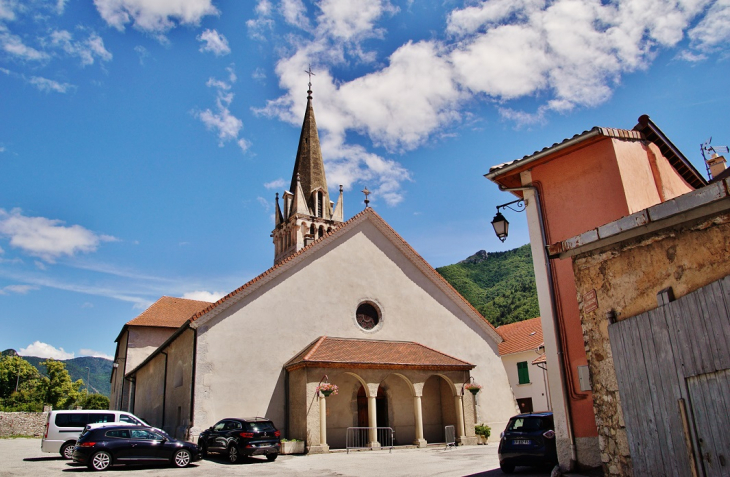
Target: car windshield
x=526, y=424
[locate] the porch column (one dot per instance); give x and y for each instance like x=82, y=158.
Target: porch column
x=323, y=421
x=418, y=411
x=459, y=418
x=373, y=422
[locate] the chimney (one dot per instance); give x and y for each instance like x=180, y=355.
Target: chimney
x=716, y=165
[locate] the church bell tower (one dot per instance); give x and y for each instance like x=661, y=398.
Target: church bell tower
x=308, y=213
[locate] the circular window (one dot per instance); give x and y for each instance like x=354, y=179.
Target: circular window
x=368, y=316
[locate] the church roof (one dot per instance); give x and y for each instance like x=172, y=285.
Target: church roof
x=168, y=312
x=367, y=214
x=521, y=336
x=327, y=352
x=309, y=165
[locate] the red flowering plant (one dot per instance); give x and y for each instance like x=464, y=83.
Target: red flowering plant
x=473, y=387
x=327, y=388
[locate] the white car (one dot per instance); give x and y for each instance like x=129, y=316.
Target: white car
x=63, y=428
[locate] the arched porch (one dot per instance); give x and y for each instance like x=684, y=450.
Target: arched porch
x=414, y=399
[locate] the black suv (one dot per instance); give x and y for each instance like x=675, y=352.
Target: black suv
x=529, y=439
x=102, y=447
x=242, y=437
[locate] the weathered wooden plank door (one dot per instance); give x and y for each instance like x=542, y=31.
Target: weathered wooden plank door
x=710, y=398
x=677, y=353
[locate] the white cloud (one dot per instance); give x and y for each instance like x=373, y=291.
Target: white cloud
x=95, y=354
x=713, y=32
x=44, y=350
x=60, y=6
x=39, y=265
x=48, y=85
x=353, y=19
x=17, y=289
x=214, y=43
x=222, y=120
x=264, y=203
x=142, y=53
x=202, y=295
x=275, y=184
x=45, y=238
x=156, y=16
x=295, y=13
x=86, y=50
x=14, y=45
x=87, y=304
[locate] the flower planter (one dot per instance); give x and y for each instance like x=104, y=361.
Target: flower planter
x=292, y=447
x=326, y=393
x=474, y=391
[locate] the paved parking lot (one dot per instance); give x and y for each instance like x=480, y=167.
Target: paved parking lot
x=23, y=457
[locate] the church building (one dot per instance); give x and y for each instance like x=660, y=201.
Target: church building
x=348, y=303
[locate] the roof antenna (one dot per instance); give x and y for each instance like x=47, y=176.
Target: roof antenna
x=714, y=162
x=367, y=193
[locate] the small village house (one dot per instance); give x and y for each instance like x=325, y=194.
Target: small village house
x=654, y=297
x=523, y=356
x=576, y=185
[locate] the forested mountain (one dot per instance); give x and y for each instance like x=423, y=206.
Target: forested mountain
x=500, y=285
x=99, y=371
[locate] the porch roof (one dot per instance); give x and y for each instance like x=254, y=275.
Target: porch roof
x=327, y=352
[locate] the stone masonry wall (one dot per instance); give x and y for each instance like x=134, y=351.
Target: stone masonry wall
x=22, y=424
x=626, y=278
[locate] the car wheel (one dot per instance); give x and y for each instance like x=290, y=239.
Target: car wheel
x=102, y=460
x=233, y=455
x=182, y=458
x=271, y=457
x=507, y=468
x=67, y=450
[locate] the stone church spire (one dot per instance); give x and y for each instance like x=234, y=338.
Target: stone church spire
x=308, y=212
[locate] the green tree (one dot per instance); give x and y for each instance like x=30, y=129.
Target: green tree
x=17, y=372
x=57, y=388
x=93, y=401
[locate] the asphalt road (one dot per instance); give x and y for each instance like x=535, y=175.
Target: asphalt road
x=23, y=457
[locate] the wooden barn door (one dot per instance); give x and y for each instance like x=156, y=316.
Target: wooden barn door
x=675, y=354
x=710, y=398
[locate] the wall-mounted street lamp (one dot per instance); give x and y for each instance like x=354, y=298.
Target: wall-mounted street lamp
x=500, y=223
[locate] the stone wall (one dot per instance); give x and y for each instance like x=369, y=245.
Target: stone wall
x=626, y=278
x=22, y=424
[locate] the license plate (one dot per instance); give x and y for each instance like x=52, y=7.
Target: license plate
x=522, y=442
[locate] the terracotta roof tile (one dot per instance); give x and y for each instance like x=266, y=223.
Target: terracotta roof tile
x=360, y=353
x=521, y=336
x=540, y=359
x=168, y=312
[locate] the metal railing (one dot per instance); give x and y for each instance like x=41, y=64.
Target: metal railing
x=450, y=436
x=359, y=438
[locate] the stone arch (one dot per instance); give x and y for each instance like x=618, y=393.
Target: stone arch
x=399, y=394
x=438, y=405
x=342, y=407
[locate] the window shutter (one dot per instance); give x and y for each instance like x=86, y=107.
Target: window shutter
x=522, y=373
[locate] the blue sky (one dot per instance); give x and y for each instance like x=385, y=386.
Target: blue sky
x=142, y=142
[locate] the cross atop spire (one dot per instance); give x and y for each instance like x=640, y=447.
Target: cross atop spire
x=310, y=73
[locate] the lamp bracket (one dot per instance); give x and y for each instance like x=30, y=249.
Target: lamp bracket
x=519, y=204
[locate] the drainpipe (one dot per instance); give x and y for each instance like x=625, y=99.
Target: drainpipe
x=553, y=311
x=164, y=392
x=192, y=381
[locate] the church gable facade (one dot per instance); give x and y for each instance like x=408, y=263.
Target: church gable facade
x=357, y=308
